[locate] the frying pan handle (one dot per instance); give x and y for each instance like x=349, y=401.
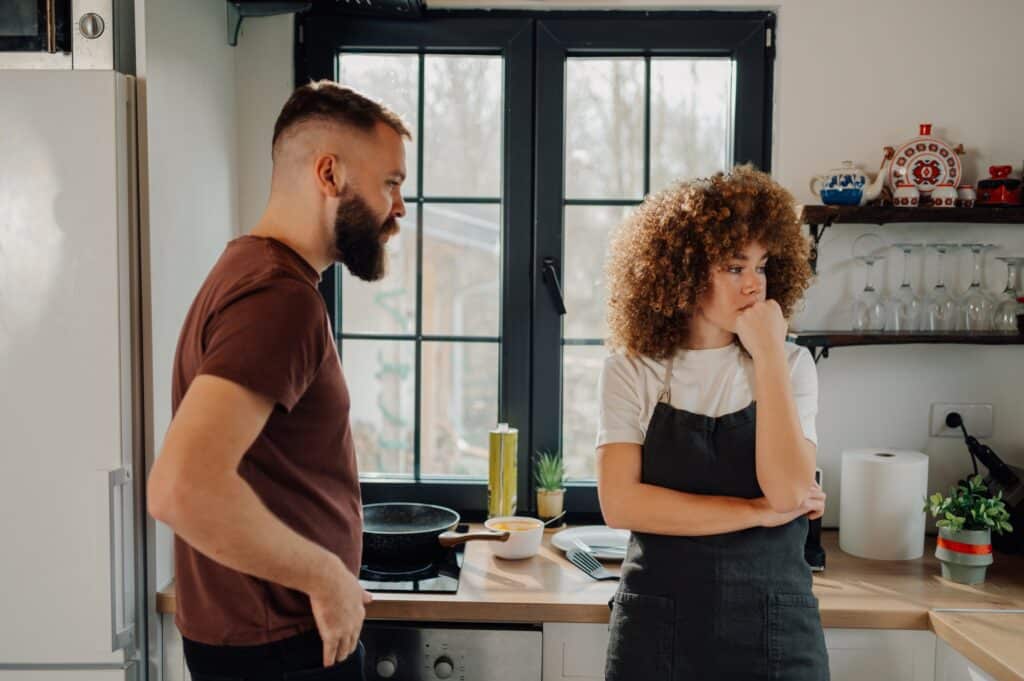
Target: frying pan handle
x=449, y=539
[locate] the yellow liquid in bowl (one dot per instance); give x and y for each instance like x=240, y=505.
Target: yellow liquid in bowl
x=514, y=526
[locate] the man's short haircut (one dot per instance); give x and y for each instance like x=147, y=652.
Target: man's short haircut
x=326, y=101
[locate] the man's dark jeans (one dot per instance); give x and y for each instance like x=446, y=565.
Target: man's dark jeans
x=299, y=658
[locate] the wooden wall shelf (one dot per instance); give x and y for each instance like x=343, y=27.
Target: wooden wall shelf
x=880, y=215
x=820, y=218
x=819, y=342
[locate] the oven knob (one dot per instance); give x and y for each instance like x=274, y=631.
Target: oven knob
x=387, y=666
x=91, y=25
x=443, y=667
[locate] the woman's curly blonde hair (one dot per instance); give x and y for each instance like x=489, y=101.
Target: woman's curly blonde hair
x=661, y=257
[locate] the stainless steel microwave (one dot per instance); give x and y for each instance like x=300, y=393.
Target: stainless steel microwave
x=59, y=34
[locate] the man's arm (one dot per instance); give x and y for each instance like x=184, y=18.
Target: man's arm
x=195, y=488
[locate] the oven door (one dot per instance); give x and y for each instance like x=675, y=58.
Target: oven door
x=425, y=652
x=56, y=34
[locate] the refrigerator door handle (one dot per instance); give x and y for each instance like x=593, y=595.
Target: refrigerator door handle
x=122, y=556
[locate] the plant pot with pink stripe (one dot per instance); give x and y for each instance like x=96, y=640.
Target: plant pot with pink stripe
x=967, y=517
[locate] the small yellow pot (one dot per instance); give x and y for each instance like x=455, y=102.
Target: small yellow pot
x=549, y=502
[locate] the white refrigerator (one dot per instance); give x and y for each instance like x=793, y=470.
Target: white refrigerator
x=71, y=459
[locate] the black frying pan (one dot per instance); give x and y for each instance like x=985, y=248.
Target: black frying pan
x=403, y=532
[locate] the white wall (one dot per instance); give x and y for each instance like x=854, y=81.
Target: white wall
x=850, y=79
x=265, y=78
x=190, y=159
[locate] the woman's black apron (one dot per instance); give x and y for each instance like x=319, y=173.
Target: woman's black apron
x=727, y=606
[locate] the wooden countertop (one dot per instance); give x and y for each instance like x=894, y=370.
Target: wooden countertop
x=992, y=640
x=853, y=592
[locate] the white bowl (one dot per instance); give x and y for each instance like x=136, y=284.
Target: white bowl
x=525, y=535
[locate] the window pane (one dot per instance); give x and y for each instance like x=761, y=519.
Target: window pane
x=604, y=128
x=461, y=269
x=691, y=118
x=459, y=407
x=581, y=368
x=381, y=379
x=462, y=126
x=387, y=306
x=392, y=79
x=587, y=229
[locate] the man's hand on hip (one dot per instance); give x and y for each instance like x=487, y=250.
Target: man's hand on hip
x=339, y=607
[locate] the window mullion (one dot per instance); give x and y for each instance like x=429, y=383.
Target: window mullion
x=418, y=381
x=647, y=125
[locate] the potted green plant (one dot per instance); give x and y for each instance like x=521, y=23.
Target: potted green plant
x=549, y=472
x=967, y=518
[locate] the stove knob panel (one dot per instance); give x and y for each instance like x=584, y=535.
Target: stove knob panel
x=387, y=666
x=444, y=667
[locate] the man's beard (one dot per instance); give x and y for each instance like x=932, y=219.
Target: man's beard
x=358, y=237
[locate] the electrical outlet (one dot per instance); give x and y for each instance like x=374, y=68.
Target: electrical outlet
x=977, y=419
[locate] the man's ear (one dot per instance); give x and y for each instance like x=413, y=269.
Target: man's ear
x=330, y=175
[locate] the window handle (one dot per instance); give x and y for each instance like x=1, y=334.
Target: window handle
x=551, y=280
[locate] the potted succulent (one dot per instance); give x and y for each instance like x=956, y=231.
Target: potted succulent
x=549, y=472
x=967, y=518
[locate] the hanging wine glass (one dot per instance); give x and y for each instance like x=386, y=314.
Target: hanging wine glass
x=867, y=244
x=868, y=310
x=1004, y=317
x=868, y=306
x=940, y=309
x=903, y=310
x=976, y=306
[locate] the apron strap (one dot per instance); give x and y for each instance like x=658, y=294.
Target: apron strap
x=666, y=388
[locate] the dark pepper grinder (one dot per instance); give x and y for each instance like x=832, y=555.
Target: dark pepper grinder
x=814, y=554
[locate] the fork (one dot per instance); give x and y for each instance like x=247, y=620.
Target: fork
x=586, y=562
x=593, y=548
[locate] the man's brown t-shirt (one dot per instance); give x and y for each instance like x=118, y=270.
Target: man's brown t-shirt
x=259, y=321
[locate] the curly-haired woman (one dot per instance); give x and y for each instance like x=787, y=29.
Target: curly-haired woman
x=707, y=443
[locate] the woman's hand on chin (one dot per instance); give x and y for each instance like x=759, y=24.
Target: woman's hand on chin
x=762, y=329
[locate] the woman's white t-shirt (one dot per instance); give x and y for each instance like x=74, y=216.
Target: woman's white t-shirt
x=710, y=382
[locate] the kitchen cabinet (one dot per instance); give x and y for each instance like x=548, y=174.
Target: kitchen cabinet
x=952, y=666
x=880, y=654
x=575, y=652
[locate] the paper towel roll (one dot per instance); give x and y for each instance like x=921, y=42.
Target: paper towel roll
x=881, y=502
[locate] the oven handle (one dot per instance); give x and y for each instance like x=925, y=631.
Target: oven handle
x=51, y=27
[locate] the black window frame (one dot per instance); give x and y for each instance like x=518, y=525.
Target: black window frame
x=535, y=46
x=319, y=39
x=746, y=37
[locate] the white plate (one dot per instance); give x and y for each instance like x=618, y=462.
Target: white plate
x=594, y=535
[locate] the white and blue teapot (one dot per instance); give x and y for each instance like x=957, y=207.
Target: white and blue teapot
x=846, y=186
